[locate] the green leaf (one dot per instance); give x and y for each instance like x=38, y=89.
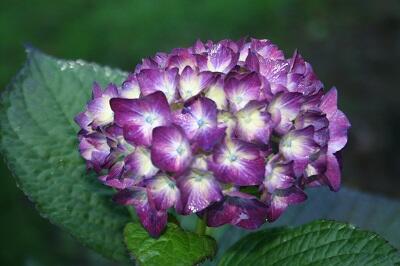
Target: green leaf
x=365, y=210
x=175, y=247
x=317, y=243
x=38, y=140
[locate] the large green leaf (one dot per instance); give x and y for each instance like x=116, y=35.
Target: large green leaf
x=317, y=243
x=175, y=247
x=367, y=211
x=38, y=141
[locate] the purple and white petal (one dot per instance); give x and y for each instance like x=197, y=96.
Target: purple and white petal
x=198, y=47
x=267, y=49
x=316, y=119
x=139, y=117
x=94, y=149
x=200, y=162
x=333, y=172
x=238, y=162
x=301, y=77
x=162, y=192
x=233, y=45
x=278, y=174
x=216, y=93
x=117, y=142
x=99, y=107
x=152, y=80
x=161, y=59
x=130, y=89
x=318, y=166
x=280, y=200
x=139, y=165
x=243, y=53
x=182, y=60
x=199, y=121
x=299, y=144
x=328, y=102
x=228, y=121
x=219, y=58
x=311, y=102
x=275, y=71
x=116, y=179
x=284, y=108
x=84, y=120
x=152, y=220
x=252, y=62
x=238, y=209
x=338, y=122
x=198, y=189
x=240, y=92
x=191, y=82
x=170, y=150
x=254, y=123
x=338, y=128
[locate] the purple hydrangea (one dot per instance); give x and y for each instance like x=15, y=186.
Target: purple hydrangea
x=232, y=131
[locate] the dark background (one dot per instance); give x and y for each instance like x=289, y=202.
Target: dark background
x=354, y=45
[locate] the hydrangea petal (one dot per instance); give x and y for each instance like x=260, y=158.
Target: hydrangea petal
x=275, y=71
x=241, y=91
x=317, y=167
x=254, y=123
x=199, y=121
x=284, y=108
x=154, y=221
x=267, y=49
x=279, y=174
x=280, y=200
x=152, y=80
x=216, y=93
x=299, y=144
x=252, y=62
x=139, y=117
x=238, y=162
x=182, y=60
x=338, y=127
x=301, y=77
x=139, y=165
x=130, y=89
x=238, y=209
x=116, y=178
x=220, y=58
x=163, y=192
x=333, y=172
x=99, y=106
x=228, y=121
x=338, y=122
x=316, y=119
x=94, y=149
x=200, y=162
x=191, y=83
x=198, y=190
x=84, y=120
x=199, y=47
x=170, y=150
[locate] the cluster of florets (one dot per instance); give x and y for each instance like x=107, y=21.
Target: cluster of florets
x=231, y=131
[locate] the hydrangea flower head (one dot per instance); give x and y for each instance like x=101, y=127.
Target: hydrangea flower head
x=231, y=131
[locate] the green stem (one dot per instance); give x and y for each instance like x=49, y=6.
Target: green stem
x=132, y=213
x=201, y=225
x=275, y=139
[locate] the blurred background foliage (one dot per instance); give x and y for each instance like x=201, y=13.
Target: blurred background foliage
x=354, y=45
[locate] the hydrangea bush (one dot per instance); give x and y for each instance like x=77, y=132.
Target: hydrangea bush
x=231, y=131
